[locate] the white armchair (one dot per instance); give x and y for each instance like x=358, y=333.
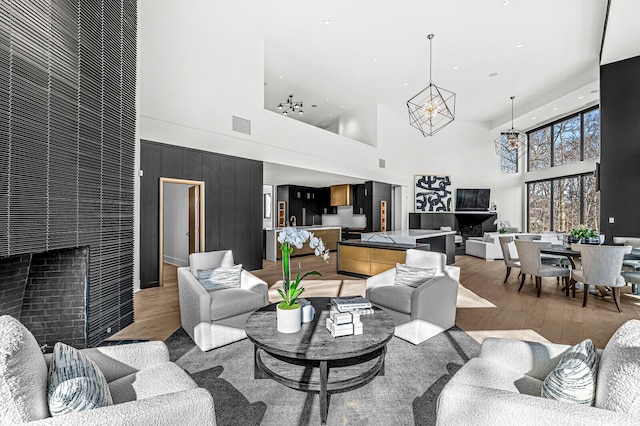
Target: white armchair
x=503, y=385
x=419, y=313
x=146, y=388
x=217, y=318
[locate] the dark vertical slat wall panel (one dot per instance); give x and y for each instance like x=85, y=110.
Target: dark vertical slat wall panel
x=233, y=202
x=151, y=164
x=67, y=148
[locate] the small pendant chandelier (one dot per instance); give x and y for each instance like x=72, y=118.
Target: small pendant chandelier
x=434, y=107
x=511, y=145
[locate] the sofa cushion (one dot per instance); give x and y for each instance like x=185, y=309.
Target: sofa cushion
x=396, y=297
x=221, y=277
x=75, y=382
x=228, y=302
x=210, y=260
x=619, y=372
x=23, y=374
x=494, y=375
x=411, y=276
x=158, y=379
x=574, y=378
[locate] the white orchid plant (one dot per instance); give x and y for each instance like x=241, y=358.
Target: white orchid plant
x=502, y=225
x=289, y=238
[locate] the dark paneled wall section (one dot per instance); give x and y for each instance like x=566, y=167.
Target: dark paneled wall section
x=233, y=203
x=620, y=147
x=67, y=125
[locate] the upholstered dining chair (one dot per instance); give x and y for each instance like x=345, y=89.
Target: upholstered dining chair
x=632, y=264
x=601, y=265
x=509, y=261
x=531, y=264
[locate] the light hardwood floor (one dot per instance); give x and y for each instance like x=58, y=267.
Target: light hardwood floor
x=486, y=306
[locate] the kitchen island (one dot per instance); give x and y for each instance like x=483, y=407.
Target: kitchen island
x=330, y=236
x=376, y=252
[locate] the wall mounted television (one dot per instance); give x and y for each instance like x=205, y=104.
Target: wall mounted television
x=472, y=199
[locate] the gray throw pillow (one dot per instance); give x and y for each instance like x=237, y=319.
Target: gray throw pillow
x=574, y=378
x=221, y=277
x=413, y=277
x=75, y=382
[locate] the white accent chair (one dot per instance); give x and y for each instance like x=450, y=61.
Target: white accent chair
x=503, y=385
x=146, y=388
x=423, y=312
x=217, y=318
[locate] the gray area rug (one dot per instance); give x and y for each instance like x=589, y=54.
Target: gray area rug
x=405, y=395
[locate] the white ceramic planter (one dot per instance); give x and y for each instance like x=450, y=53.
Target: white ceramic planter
x=289, y=320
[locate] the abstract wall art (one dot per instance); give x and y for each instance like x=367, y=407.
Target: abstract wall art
x=433, y=193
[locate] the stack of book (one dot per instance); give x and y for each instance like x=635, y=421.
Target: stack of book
x=352, y=303
x=344, y=315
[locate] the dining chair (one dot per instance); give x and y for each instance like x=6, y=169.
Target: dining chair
x=509, y=261
x=601, y=266
x=630, y=262
x=531, y=264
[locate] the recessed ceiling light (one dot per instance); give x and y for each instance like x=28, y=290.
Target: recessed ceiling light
x=327, y=21
x=533, y=118
x=455, y=68
x=506, y=2
x=493, y=74
x=330, y=115
x=580, y=97
x=555, y=108
x=280, y=77
x=327, y=99
x=341, y=106
x=375, y=59
x=406, y=84
x=519, y=45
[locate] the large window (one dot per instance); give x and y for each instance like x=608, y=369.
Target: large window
x=563, y=202
x=569, y=140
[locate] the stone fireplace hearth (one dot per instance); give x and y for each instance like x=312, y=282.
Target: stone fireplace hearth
x=47, y=292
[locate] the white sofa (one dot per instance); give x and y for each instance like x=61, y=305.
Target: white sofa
x=146, y=388
x=503, y=385
x=488, y=247
x=217, y=318
x=423, y=312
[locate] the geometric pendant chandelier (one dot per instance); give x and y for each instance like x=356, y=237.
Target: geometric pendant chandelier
x=290, y=106
x=433, y=108
x=511, y=144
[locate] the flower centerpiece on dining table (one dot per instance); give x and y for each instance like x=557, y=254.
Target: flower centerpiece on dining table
x=583, y=234
x=289, y=316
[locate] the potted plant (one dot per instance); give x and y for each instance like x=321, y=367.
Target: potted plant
x=288, y=313
x=502, y=225
x=583, y=234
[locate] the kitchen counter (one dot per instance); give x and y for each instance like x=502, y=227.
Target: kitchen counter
x=440, y=241
x=330, y=236
x=365, y=259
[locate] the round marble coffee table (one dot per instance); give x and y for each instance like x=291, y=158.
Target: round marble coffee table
x=314, y=361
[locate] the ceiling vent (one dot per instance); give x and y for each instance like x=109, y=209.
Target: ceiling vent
x=241, y=125
x=381, y=163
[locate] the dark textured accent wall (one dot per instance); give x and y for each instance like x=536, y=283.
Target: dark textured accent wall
x=233, y=203
x=620, y=147
x=67, y=126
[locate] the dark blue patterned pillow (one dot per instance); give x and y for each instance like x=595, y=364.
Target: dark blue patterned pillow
x=574, y=378
x=221, y=277
x=75, y=382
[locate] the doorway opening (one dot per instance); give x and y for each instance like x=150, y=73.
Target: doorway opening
x=181, y=221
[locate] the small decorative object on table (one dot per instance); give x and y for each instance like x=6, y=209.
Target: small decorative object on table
x=583, y=234
x=288, y=312
x=349, y=303
x=502, y=225
x=343, y=323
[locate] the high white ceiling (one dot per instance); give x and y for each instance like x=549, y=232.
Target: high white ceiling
x=376, y=51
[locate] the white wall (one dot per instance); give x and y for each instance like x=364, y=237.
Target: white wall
x=176, y=224
x=360, y=125
x=198, y=68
